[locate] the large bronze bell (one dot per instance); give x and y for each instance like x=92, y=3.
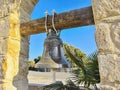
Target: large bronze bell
x=53, y=54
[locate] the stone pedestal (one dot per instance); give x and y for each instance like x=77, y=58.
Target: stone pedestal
x=107, y=22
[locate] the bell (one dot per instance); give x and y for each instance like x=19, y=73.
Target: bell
x=53, y=54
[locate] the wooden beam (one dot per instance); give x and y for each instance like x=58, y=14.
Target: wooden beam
x=71, y=19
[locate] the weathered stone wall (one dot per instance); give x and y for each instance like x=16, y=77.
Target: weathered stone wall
x=9, y=42
x=21, y=81
x=107, y=22
x=14, y=48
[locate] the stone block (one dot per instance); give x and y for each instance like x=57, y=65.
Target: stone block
x=117, y=70
x=24, y=50
x=107, y=68
x=14, y=25
x=7, y=86
x=25, y=17
x=20, y=80
x=28, y=5
x=103, y=37
x=107, y=87
x=107, y=35
x=13, y=47
x=3, y=45
x=105, y=8
x=1, y=68
x=21, y=84
x=115, y=35
x=4, y=27
x=117, y=85
x=8, y=69
x=23, y=68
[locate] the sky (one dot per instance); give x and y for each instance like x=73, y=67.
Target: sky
x=80, y=37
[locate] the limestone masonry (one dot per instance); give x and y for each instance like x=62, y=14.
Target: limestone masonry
x=107, y=22
x=14, y=47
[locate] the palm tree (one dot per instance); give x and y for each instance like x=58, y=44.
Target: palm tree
x=60, y=86
x=93, y=68
x=87, y=72
x=75, y=52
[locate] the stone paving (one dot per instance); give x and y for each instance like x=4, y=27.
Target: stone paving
x=44, y=78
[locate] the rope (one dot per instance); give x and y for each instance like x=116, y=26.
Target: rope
x=53, y=21
x=46, y=21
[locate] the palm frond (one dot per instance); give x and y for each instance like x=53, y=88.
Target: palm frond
x=87, y=72
x=78, y=62
x=55, y=86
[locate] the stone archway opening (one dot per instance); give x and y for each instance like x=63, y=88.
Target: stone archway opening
x=70, y=38
x=80, y=37
x=106, y=17
x=15, y=39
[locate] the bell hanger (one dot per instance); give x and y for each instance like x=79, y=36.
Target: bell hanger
x=46, y=20
x=53, y=24
x=57, y=32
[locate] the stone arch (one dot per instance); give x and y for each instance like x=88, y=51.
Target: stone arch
x=13, y=57
x=14, y=47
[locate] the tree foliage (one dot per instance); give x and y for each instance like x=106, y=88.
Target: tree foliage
x=87, y=72
x=75, y=52
x=60, y=86
x=36, y=60
x=31, y=65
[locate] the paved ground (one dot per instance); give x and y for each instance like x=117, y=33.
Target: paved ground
x=44, y=78
x=38, y=79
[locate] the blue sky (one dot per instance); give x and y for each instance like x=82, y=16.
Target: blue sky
x=81, y=37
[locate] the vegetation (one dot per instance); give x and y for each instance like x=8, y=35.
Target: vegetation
x=86, y=70
x=32, y=63
x=36, y=60
x=87, y=75
x=75, y=52
x=60, y=86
